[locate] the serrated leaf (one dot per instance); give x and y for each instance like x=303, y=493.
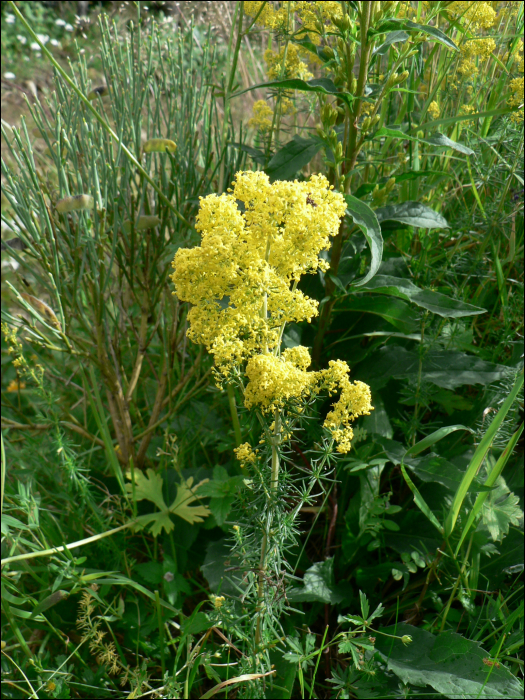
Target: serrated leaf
x=451, y=664
x=501, y=510
x=412, y=214
x=185, y=497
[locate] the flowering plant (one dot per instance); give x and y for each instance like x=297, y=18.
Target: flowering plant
x=258, y=239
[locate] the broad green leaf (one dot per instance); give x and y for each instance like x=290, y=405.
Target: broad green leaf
x=394, y=23
x=395, y=311
x=292, y=158
x=451, y=664
x=420, y=501
x=501, y=509
x=318, y=585
x=150, y=571
x=491, y=480
x=255, y=153
x=437, y=303
x=148, y=487
x=435, y=139
x=436, y=469
x=480, y=454
x=367, y=221
x=445, y=368
x=413, y=214
x=322, y=85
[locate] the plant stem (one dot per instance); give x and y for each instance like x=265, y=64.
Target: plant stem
x=234, y=415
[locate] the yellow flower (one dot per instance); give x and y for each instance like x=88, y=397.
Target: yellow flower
x=516, y=99
x=239, y=279
x=294, y=66
x=433, y=110
x=476, y=14
x=262, y=116
x=245, y=454
x=218, y=601
x=15, y=385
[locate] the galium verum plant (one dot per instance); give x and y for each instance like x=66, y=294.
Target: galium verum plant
x=258, y=239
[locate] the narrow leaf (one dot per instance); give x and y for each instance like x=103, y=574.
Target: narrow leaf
x=479, y=456
x=408, y=25
x=321, y=85
x=433, y=438
x=420, y=501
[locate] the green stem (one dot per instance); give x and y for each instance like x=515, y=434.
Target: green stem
x=234, y=415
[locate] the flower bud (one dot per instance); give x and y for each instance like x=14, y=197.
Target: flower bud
x=159, y=146
x=76, y=203
x=406, y=639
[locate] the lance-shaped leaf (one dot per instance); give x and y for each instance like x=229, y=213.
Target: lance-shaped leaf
x=436, y=139
x=292, y=158
x=367, y=221
x=395, y=23
x=321, y=85
x=413, y=214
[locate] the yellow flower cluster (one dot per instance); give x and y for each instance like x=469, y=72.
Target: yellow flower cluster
x=475, y=14
x=262, y=116
x=433, y=110
x=516, y=99
x=480, y=47
x=355, y=400
x=245, y=454
x=286, y=64
x=269, y=17
x=239, y=278
x=257, y=241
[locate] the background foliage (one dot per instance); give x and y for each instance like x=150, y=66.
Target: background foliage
x=120, y=490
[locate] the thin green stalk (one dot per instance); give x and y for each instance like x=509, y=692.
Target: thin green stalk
x=161, y=633
x=234, y=415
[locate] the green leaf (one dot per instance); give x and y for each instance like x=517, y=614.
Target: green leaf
x=447, y=369
x=437, y=303
x=420, y=502
x=318, y=585
x=480, y=454
x=255, y=153
x=435, y=139
x=150, y=571
x=434, y=437
x=391, y=38
x=149, y=487
x=49, y=602
x=491, y=480
x=395, y=311
x=442, y=140
x=500, y=510
x=452, y=665
x=408, y=25
x=292, y=158
x=367, y=221
x=413, y=214
x=321, y=85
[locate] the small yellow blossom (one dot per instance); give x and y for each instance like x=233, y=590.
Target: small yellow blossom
x=245, y=454
x=433, y=110
x=464, y=110
x=218, y=601
x=262, y=116
x=15, y=385
x=516, y=99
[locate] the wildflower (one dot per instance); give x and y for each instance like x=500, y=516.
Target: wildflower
x=218, y=601
x=467, y=109
x=516, y=99
x=245, y=454
x=262, y=116
x=286, y=66
x=406, y=639
x=14, y=385
x=9, y=76
x=9, y=18
x=22, y=39
x=433, y=110
x=35, y=47
x=60, y=22
x=476, y=14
